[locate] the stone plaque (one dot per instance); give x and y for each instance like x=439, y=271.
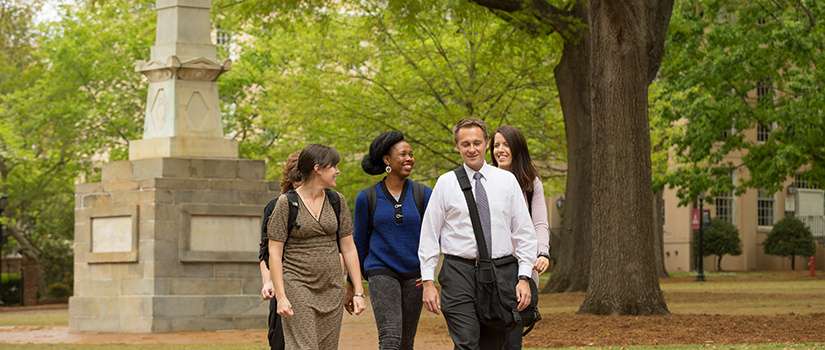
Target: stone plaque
x=112, y=234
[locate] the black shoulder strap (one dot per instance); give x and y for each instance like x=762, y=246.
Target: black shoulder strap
x=335, y=202
x=263, y=250
x=530, y=202
x=464, y=181
x=372, y=198
x=419, y=191
x=292, y=220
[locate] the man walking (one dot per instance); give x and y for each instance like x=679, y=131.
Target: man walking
x=507, y=228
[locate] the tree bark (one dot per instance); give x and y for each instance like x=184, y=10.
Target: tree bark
x=572, y=270
x=623, y=278
x=658, y=235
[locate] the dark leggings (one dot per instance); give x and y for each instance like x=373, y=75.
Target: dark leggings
x=397, y=307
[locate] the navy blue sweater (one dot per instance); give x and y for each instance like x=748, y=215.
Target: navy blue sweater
x=392, y=247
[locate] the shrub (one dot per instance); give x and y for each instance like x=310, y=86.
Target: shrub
x=719, y=239
x=58, y=290
x=12, y=283
x=790, y=237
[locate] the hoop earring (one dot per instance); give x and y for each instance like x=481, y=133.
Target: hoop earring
x=388, y=169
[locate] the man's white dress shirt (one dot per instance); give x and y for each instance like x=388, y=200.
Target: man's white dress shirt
x=447, y=220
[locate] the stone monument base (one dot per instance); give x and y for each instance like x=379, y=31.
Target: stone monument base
x=168, y=245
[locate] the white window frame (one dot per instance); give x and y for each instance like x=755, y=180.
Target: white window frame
x=733, y=218
x=761, y=196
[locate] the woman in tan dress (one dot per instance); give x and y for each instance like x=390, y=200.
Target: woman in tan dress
x=304, y=263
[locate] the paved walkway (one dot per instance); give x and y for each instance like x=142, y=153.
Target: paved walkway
x=357, y=332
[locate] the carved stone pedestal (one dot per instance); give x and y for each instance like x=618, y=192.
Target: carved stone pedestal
x=170, y=244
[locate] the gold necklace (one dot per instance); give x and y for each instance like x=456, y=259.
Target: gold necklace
x=308, y=205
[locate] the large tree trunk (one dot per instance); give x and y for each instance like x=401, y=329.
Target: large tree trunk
x=623, y=279
x=658, y=234
x=572, y=270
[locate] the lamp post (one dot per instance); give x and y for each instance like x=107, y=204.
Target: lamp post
x=3, y=199
x=700, y=272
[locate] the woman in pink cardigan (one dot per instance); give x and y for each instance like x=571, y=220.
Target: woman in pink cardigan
x=509, y=151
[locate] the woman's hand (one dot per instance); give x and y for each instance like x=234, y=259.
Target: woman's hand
x=542, y=263
x=284, y=307
x=359, y=304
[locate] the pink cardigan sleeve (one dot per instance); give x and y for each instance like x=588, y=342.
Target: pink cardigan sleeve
x=540, y=217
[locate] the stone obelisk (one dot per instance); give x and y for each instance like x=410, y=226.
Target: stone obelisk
x=168, y=240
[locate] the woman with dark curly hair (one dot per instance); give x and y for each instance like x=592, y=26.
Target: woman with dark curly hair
x=509, y=152
x=387, y=229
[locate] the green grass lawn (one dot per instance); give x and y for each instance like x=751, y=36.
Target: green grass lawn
x=39, y=318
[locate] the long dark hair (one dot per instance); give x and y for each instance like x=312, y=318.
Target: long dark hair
x=311, y=155
x=521, y=166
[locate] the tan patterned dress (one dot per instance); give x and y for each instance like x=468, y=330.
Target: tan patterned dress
x=312, y=273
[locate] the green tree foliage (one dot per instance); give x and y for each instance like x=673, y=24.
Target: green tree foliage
x=733, y=66
x=790, y=238
x=76, y=102
x=343, y=75
x=721, y=238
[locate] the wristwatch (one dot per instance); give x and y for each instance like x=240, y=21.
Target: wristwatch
x=523, y=277
x=545, y=255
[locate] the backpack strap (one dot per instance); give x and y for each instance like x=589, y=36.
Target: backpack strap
x=335, y=202
x=292, y=221
x=419, y=191
x=263, y=251
x=372, y=199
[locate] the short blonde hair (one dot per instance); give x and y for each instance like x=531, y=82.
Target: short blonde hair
x=468, y=123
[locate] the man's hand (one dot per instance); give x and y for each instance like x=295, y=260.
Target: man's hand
x=523, y=294
x=431, y=300
x=268, y=291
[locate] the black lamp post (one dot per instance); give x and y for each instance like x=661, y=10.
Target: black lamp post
x=3, y=199
x=700, y=272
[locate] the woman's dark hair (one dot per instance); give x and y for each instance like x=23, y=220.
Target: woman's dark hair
x=373, y=162
x=291, y=162
x=311, y=155
x=521, y=166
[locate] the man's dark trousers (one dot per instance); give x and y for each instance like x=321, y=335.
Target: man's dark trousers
x=458, y=286
x=276, y=330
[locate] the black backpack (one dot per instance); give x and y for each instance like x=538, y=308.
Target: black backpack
x=292, y=221
x=418, y=191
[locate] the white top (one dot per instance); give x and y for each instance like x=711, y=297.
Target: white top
x=447, y=220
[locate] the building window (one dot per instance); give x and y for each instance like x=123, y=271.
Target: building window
x=763, y=132
x=223, y=37
x=726, y=203
x=765, y=209
x=799, y=182
x=724, y=207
